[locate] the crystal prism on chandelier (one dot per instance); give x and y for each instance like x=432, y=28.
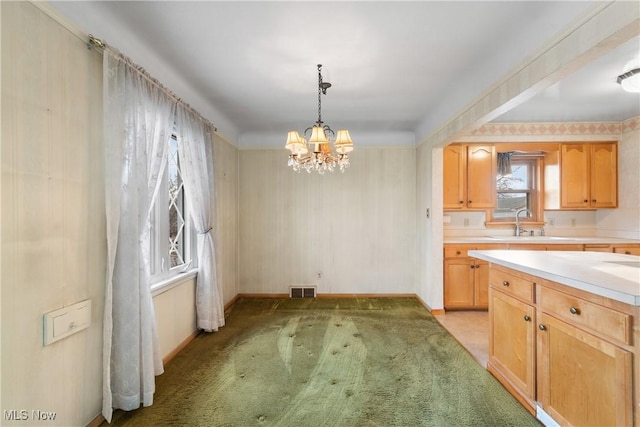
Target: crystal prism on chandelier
x=321, y=159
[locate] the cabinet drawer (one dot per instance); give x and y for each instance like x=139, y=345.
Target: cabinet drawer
x=512, y=285
x=606, y=321
x=455, y=252
x=629, y=250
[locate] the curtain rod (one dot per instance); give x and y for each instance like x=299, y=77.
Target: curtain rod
x=100, y=44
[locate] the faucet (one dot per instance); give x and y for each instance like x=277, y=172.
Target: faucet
x=518, y=231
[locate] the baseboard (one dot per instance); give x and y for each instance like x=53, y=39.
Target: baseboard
x=328, y=296
x=97, y=421
x=263, y=296
x=180, y=346
x=228, y=305
x=434, y=311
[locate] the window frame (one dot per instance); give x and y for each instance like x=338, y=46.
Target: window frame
x=536, y=198
x=160, y=262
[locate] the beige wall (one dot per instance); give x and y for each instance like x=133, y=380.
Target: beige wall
x=53, y=227
x=357, y=228
x=226, y=234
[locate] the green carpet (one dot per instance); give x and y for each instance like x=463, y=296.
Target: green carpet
x=327, y=362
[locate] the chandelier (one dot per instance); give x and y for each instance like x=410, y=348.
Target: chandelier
x=321, y=159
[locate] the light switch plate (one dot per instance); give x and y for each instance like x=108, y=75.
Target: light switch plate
x=65, y=321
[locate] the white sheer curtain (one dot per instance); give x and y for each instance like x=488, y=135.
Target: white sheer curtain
x=195, y=149
x=138, y=120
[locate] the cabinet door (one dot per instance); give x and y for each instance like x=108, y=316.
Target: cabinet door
x=574, y=175
x=454, y=177
x=481, y=283
x=583, y=380
x=458, y=285
x=512, y=343
x=604, y=175
x=481, y=176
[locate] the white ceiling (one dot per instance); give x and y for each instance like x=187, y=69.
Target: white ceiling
x=394, y=66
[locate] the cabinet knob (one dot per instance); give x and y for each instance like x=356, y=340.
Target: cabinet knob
x=585, y=201
x=574, y=310
x=472, y=266
x=505, y=283
x=627, y=252
x=527, y=318
x=542, y=327
x=458, y=252
x=461, y=201
x=593, y=200
x=470, y=202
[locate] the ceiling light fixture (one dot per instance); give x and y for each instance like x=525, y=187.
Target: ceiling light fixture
x=630, y=81
x=322, y=159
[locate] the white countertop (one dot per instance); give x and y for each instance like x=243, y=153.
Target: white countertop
x=541, y=240
x=597, y=272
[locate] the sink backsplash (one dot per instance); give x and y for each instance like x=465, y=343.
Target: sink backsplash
x=558, y=223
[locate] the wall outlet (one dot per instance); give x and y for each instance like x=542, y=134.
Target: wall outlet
x=573, y=222
x=551, y=221
x=319, y=275
x=466, y=222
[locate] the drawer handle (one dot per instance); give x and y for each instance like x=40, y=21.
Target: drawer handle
x=542, y=327
x=505, y=283
x=527, y=318
x=574, y=310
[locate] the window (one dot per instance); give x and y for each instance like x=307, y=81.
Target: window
x=519, y=189
x=172, y=234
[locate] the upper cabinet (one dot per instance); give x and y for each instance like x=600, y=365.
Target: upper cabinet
x=469, y=176
x=589, y=175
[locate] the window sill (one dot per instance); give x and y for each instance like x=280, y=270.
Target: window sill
x=169, y=283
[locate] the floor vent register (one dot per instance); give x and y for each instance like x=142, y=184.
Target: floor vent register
x=302, y=292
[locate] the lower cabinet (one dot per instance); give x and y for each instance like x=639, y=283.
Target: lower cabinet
x=466, y=279
x=467, y=283
x=568, y=351
x=584, y=380
x=511, y=345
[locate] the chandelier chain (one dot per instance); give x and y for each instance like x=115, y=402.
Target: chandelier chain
x=320, y=90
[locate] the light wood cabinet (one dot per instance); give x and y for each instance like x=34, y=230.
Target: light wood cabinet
x=589, y=175
x=512, y=326
x=583, y=379
x=566, y=350
x=469, y=177
x=626, y=249
x=466, y=279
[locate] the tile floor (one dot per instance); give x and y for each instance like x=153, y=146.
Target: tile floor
x=471, y=329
